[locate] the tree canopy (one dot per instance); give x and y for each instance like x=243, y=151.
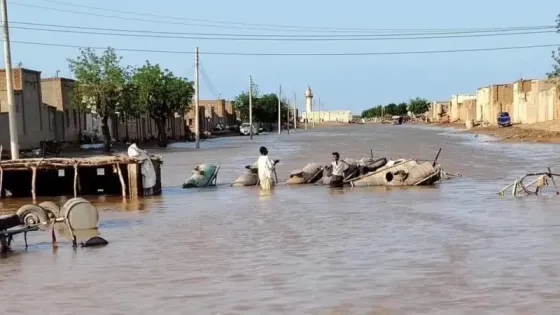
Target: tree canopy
x=400, y=109
x=109, y=88
x=161, y=94
x=265, y=107
x=418, y=106
x=99, y=85
x=555, y=73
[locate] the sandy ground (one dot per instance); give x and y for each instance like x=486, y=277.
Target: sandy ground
x=547, y=132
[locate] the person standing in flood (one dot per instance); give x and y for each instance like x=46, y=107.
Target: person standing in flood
x=338, y=167
x=266, y=167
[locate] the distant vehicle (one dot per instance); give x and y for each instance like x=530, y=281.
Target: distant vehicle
x=503, y=119
x=397, y=120
x=245, y=131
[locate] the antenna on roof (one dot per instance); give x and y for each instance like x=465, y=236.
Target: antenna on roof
x=57, y=72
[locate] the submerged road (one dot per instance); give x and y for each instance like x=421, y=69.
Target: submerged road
x=454, y=249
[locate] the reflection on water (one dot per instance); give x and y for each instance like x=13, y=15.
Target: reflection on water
x=454, y=249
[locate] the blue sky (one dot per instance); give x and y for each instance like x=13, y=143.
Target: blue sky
x=341, y=82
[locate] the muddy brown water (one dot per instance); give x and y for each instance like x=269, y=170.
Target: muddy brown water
x=454, y=249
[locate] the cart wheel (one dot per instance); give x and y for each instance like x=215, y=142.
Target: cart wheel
x=51, y=208
x=32, y=215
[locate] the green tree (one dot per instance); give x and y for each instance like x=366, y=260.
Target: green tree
x=99, y=85
x=241, y=105
x=555, y=73
x=265, y=107
x=402, y=109
x=390, y=109
x=418, y=106
x=128, y=107
x=162, y=94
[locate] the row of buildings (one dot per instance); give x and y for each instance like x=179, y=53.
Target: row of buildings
x=526, y=101
x=45, y=112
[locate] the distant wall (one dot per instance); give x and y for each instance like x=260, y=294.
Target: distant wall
x=457, y=102
x=483, y=104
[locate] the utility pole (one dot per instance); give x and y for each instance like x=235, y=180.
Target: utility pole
x=288, y=117
x=320, y=111
x=251, y=107
x=14, y=146
x=313, y=120
x=280, y=109
x=295, y=112
x=196, y=101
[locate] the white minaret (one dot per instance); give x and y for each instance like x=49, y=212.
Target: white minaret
x=308, y=100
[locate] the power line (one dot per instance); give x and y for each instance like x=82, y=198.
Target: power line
x=144, y=20
x=282, y=39
x=259, y=27
x=322, y=28
x=298, y=54
x=490, y=30
x=208, y=81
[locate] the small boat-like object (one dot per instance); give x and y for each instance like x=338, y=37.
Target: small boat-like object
x=203, y=175
x=400, y=173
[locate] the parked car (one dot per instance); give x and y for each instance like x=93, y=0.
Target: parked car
x=245, y=131
x=503, y=119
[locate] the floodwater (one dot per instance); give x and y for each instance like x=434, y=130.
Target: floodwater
x=455, y=249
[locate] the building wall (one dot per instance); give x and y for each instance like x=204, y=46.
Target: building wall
x=343, y=116
x=437, y=109
x=483, y=104
x=212, y=113
x=468, y=110
x=56, y=92
x=521, y=99
x=456, y=104
x=32, y=115
x=501, y=100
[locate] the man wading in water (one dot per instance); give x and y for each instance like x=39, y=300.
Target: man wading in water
x=266, y=168
x=338, y=167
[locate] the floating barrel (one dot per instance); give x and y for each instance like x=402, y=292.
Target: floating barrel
x=52, y=209
x=80, y=214
x=32, y=215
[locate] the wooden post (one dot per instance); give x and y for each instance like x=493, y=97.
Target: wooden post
x=123, y=186
x=1, y=181
x=75, y=180
x=134, y=180
x=34, y=182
